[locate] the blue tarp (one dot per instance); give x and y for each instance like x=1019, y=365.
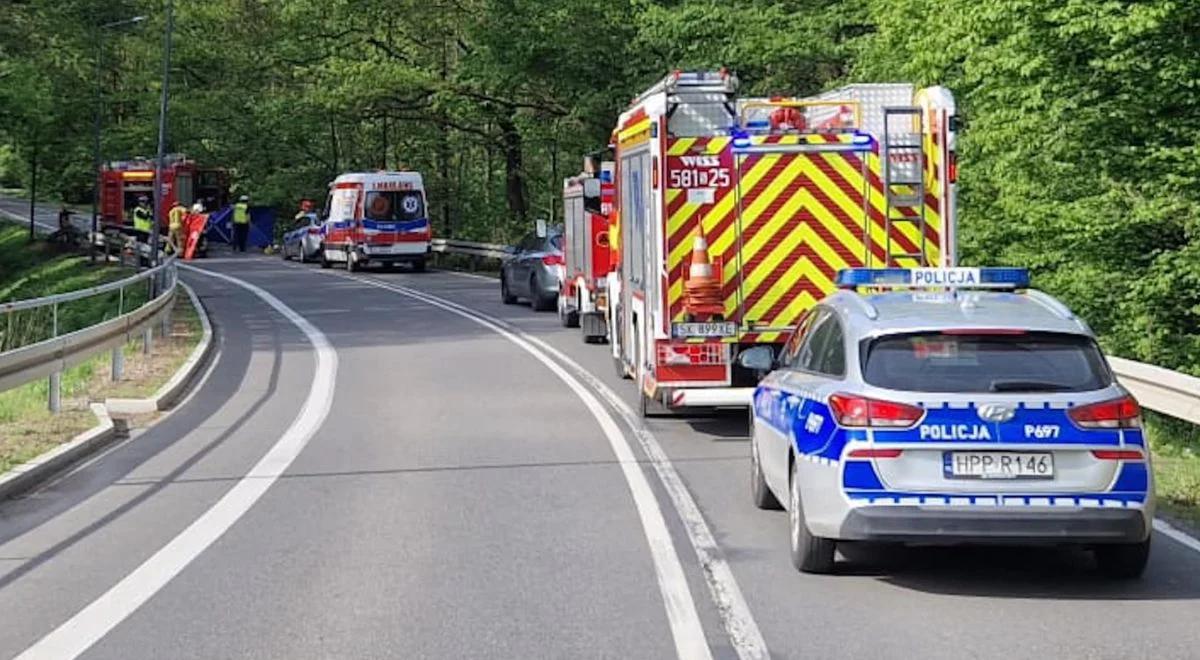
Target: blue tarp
x=262, y=226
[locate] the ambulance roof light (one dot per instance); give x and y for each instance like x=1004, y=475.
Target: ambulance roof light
x=936, y=278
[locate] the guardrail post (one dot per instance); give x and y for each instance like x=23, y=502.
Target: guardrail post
x=147, y=339
x=56, y=392
x=118, y=363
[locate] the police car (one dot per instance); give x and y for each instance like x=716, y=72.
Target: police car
x=948, y=406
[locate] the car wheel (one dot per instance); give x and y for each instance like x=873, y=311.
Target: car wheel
x=418, y=266
x=1123, y=561
x=810, y=554
x=539, y=302
x=760, y=492
x=506, y=296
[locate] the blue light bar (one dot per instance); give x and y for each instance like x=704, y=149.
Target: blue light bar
x=933, y=278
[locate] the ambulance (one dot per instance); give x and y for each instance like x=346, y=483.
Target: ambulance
x=587, y=204
x=736, y=214
x=378, y=218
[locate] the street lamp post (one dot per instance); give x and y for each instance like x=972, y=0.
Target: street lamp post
x=162, y=134
x=99, y=36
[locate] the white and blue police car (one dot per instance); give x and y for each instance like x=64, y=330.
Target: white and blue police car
x=948, y=406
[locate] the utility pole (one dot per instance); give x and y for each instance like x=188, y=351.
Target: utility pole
x=162, y=134
x=98, y=37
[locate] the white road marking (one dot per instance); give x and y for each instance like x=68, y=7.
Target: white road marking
x=93, y=622
x=686, y=630
x=739, y=623
x=1163, y=527
x=493, y=280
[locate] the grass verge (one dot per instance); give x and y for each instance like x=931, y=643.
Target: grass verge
x=39, y=268
x=27, y=428
x=1176, y=447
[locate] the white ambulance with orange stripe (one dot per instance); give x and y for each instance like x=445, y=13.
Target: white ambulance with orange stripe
x=376, y=218
x=735, y=214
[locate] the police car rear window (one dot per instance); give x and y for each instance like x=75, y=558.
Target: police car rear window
x=984, y=362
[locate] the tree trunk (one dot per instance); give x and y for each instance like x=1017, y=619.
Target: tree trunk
x=514, y=179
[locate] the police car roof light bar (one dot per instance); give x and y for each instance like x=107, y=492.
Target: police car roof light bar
x=933, y=278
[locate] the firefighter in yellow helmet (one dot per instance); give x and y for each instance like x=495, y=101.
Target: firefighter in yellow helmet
x=241, y=223
x=175, y=227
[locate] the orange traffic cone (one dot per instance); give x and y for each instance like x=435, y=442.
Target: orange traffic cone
x=702, y=287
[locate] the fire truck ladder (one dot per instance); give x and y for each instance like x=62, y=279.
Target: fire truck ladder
x=904, y=181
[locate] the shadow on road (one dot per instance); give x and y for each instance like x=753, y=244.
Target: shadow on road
x=1020, y=572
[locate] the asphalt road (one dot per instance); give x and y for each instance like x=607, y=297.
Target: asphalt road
x=470, y=494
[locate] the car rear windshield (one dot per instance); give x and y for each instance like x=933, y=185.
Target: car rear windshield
x=973, y=361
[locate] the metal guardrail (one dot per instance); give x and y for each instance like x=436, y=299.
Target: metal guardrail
x=51, y=356
x=1161, y=390
x=470, y=248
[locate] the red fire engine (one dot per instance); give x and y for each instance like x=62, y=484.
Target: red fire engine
x=587, y=203
x=123, y=182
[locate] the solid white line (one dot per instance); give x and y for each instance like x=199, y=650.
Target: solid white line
x=744, y=635
x=93, y=622
x=684, y=621
x=1163, y=527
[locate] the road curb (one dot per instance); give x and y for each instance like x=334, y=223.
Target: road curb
x=32, y=473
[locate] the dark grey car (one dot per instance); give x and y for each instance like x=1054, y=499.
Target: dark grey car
x=534, y=271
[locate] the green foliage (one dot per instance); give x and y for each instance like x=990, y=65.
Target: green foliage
x=1080, y=159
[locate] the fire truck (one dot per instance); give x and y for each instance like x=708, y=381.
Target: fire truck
x=735, y=214
x=123, y=182
x=587, y=203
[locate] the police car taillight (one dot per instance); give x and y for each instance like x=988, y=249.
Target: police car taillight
x=849, y=410
x=1123, y=413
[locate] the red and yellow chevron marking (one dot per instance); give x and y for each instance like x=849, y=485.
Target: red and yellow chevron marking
x=635, y=131
x=785, y=228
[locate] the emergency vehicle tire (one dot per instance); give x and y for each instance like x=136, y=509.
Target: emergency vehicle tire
x=810, y=554
x=506, y=296
x=325, y=263
x=418, y=266
x=1123, y=561
x=650, y=407
x=760, y=493
x=568, y=319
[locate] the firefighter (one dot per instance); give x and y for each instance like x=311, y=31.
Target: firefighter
x=175, y=227
x=241, y=223
x=143, y=220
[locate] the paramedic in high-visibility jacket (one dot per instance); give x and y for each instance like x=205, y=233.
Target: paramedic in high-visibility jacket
x=241, y=223
x=143, y=220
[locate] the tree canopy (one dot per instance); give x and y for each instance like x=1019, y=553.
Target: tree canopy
x=1079, y=158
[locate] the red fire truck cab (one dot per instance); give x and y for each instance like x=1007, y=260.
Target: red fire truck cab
x=123, y=182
